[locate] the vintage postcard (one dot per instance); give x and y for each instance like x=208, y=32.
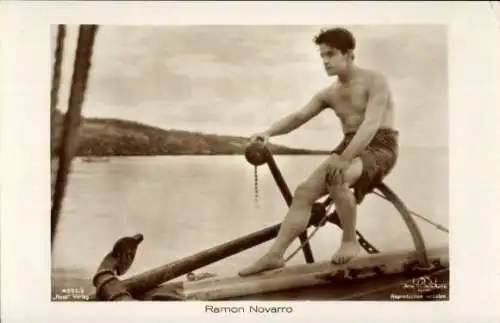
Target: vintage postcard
x=263, y=167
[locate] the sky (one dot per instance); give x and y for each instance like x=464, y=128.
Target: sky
x=237, y=80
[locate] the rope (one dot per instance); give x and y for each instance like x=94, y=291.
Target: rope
x=438, y=226
x=82, y=64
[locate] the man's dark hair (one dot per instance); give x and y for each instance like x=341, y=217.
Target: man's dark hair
x=339, y=38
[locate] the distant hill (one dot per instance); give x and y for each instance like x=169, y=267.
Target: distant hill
x=117, y=137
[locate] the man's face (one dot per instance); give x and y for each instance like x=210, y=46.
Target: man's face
x=333, y=60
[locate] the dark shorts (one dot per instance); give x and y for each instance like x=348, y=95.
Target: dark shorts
x=378, y=158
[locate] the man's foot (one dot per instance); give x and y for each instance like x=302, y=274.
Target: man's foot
x=346, y=252
x=267, y=262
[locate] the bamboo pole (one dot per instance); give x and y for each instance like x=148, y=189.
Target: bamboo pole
x=56, y=81
x=143, y=282
x=69, y=136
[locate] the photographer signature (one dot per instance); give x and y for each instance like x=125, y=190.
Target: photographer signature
x=423, y=284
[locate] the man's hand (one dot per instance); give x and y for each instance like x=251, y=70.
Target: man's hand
x=336, y=172
x=262, y=136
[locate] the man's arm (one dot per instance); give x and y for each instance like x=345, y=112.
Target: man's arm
x=378, y=95
x=297, y=119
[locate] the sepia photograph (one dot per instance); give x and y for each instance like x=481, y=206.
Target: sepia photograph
x=249, y=162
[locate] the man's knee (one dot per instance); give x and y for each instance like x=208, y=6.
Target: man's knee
x=346, y=177
x=340, y=192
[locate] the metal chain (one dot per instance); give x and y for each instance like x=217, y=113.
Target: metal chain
x=256, y=186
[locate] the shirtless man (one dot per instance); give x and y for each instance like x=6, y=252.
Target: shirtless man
x=362, y=101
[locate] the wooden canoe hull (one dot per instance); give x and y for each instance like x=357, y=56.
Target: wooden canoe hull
x=372, y=268
x=379, y=288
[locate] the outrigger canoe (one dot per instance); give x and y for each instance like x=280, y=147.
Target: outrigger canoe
x=399, y=275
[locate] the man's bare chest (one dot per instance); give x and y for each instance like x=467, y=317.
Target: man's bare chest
x=348, y=100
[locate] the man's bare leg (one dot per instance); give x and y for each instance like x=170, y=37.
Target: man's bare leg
x=295, y=221
x=345, y=204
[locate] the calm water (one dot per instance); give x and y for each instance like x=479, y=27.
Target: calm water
x=183, y=205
